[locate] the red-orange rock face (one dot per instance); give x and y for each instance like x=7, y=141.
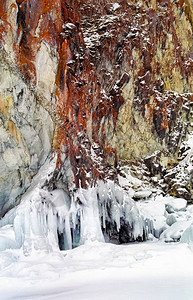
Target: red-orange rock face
x=120, y=66
x=80, y=102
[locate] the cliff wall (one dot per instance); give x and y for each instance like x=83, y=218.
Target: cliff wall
x=99, y=83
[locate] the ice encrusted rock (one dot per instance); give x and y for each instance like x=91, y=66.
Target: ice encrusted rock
x=45, y=220
x=154, y=214
x=142, y=194
x=187, y=235
x=175, y=204
x=174, y=233
x=160, y=212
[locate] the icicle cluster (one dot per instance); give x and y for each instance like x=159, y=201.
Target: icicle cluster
x=119, y=209
x=46, y=220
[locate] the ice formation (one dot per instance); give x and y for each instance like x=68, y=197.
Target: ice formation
x=45, y=220
x=187, y=235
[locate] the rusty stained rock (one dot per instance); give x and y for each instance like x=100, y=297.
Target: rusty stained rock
x=122, y=74
x=151, y=42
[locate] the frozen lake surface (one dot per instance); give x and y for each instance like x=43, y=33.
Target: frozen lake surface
x=150, y=270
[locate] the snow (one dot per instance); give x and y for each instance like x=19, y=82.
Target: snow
x=150, y=270
x=115, y=6
x=175, y=204
x=180, y=175
x=128, y=180
x=142, y=194
x=69, y=26
x=187, y=235
x=165, y=214
x=175, y=232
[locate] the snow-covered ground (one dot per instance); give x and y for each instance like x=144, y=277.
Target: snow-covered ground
x=156, y=269
x=150, y=270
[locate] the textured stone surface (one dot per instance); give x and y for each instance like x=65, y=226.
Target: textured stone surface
x=98, y=82
x=151, y=42
x=26, y=133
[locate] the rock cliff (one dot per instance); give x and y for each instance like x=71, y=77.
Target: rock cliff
x=101, y=84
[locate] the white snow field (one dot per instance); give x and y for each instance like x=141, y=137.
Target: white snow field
x=151, y=270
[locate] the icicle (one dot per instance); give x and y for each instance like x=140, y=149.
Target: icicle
x=42, y=215
x=104, y=214
x=90, y=220
x=68, y=234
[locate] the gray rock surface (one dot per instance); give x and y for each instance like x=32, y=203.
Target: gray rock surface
x=26, y=133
